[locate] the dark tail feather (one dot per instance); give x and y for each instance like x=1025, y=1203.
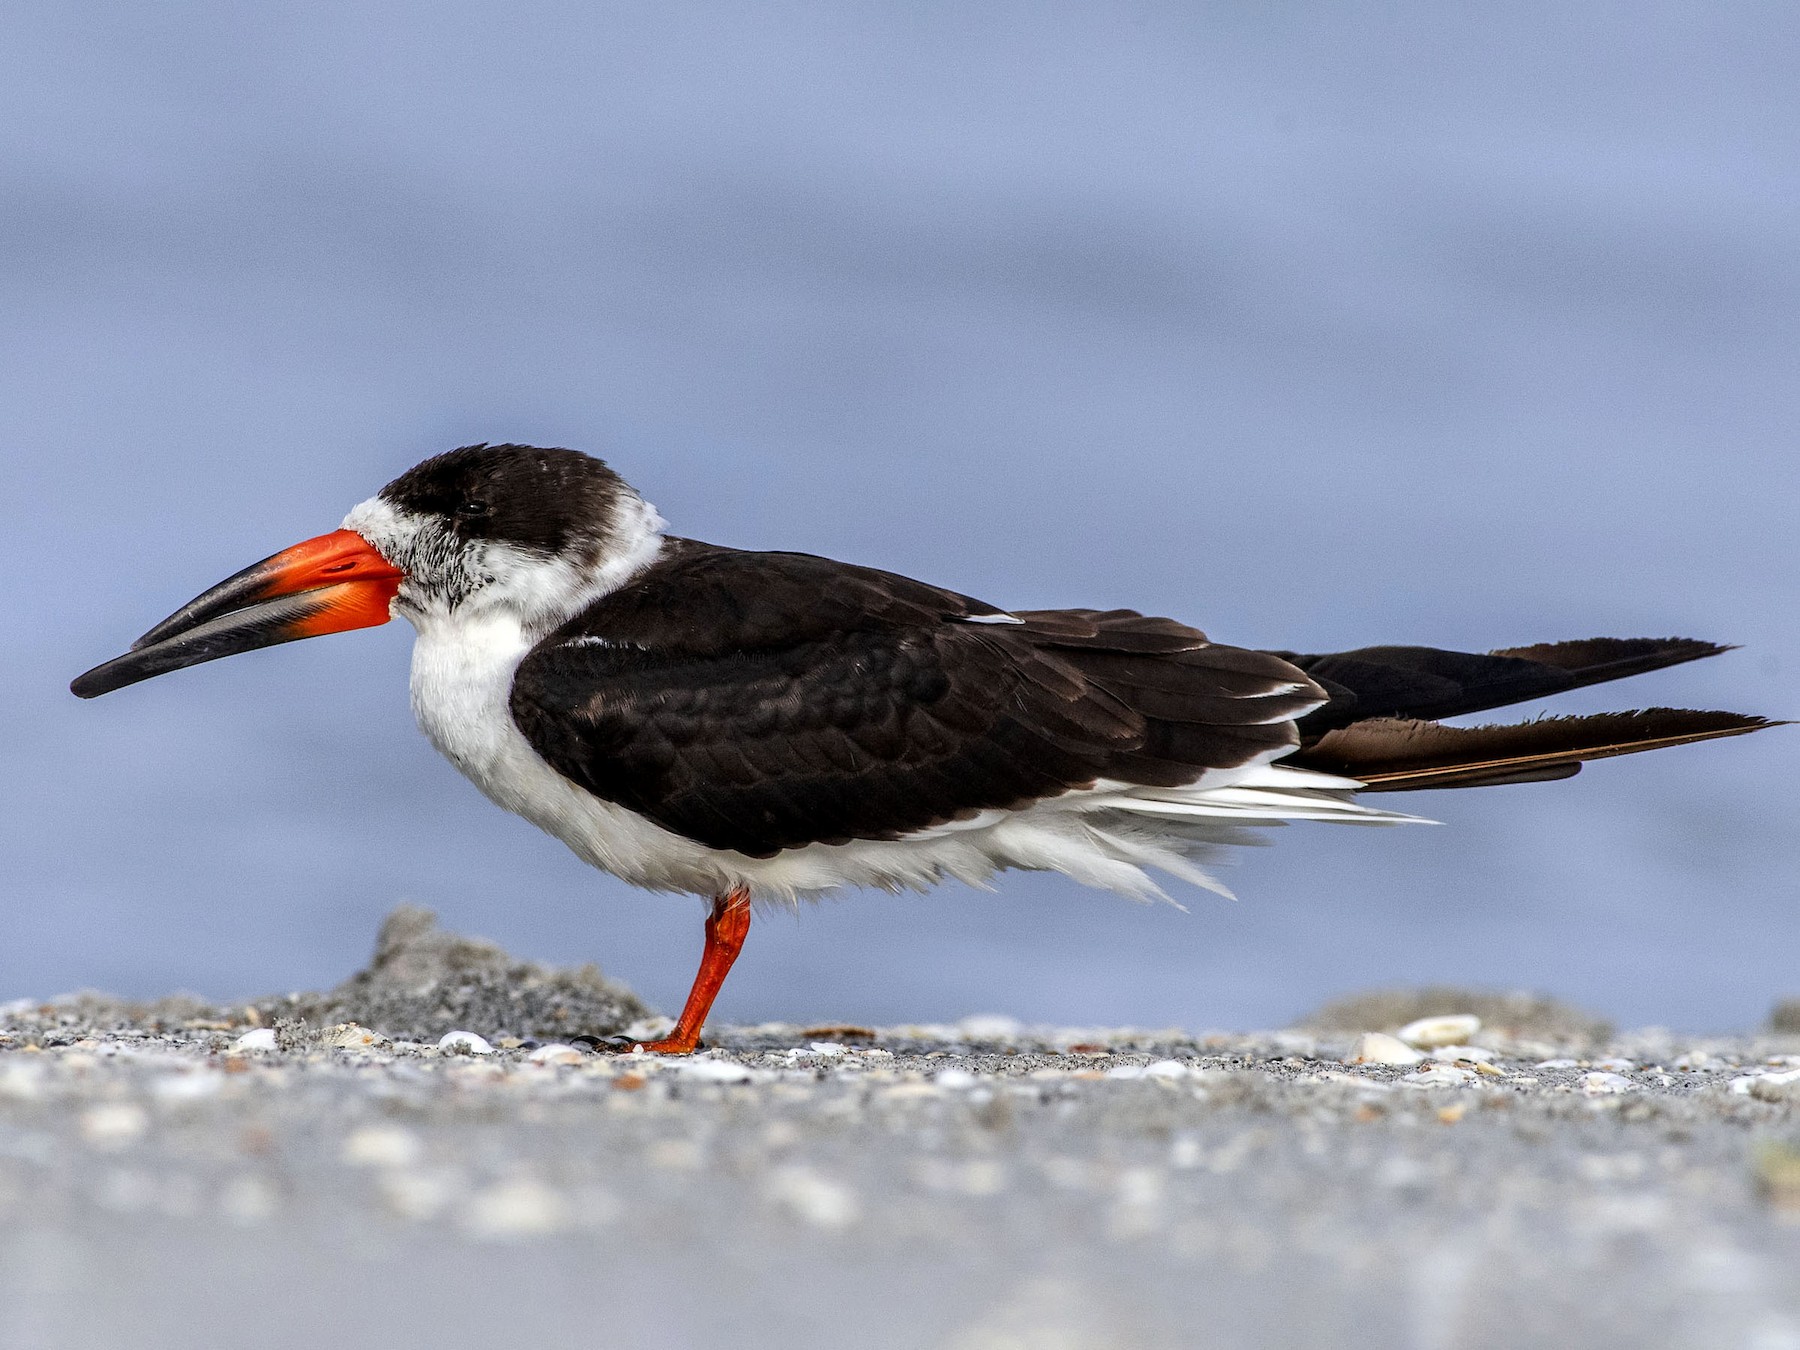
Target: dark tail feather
x=1423, y=682
x=1398, y=754
x=1597, y=660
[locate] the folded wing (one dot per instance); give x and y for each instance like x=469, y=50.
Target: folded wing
x=761, y=702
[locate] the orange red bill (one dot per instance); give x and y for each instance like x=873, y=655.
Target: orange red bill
x=329, y=584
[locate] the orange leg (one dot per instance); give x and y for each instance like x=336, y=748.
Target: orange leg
x=726, y=928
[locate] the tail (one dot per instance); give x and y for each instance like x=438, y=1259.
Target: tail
x=1381, y=726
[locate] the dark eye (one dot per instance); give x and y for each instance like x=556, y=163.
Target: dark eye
x=473, y=509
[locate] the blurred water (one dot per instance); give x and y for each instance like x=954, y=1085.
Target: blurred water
x=1316, y=327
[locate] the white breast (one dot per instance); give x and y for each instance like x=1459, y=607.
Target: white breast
x=462, y=674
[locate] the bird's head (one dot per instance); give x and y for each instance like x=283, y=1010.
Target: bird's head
x=536, y=533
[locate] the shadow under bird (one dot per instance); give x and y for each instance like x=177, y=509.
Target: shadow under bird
x=773, y=726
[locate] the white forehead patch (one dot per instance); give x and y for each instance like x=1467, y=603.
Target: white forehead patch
x=381, y=523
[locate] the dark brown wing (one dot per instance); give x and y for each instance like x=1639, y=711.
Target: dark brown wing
x=764, y=701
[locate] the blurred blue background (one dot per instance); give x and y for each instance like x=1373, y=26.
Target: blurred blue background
x=1314, y=325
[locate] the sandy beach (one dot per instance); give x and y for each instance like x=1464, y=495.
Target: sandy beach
x=289, y=1174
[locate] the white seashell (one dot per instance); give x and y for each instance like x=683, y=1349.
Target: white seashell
x=555, y=1053
x=1377, y=1047
x=1166, y=1068
x=826, y=1049
x=956, y=1078
x=350, y=1036
x=263, y=1038
x=1475, y=1054
x=466, y=1041
x=1430, y=1032
x=1439, y=1075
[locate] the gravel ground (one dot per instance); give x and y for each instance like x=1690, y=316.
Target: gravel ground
x=174, y=1175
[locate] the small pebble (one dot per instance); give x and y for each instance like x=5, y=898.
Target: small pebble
x=249, y=1200
x=817, y=1199
x=510, y=1210
x=649, y=1029
x=989, y=1027
x=464, y=1042
x=1776, y=1087
x=22, y=1080
x=263, y=1038
x=714, y=1070
x=1430, y=1032
x=382, y=1146
x=1599, y=1084
x=955, y=1078
x=1777, y=1168
x=187, y=1087
x=1377, y=1047
x=419, y=1196
x=1697, y=1062
x=675, y=1155
x=115, y=1125
x=972, y=1176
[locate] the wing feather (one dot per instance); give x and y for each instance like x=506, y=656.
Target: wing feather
x=760, y=702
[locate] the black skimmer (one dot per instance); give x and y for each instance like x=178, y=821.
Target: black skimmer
x=773, y=726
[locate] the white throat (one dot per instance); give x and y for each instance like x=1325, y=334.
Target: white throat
x=465, y=655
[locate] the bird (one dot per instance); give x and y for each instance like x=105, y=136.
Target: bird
x=761, y=728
